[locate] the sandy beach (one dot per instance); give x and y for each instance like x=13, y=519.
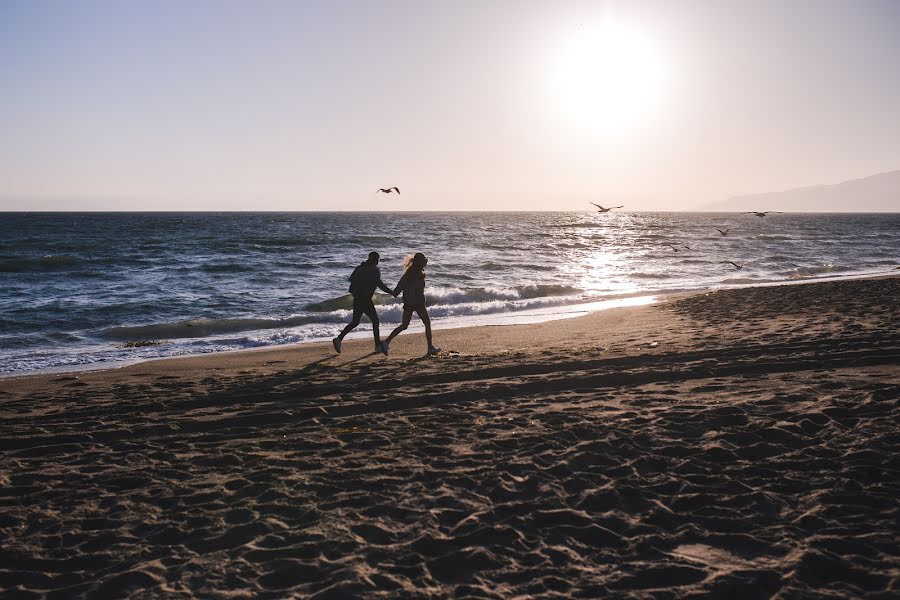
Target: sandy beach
x=731, y=444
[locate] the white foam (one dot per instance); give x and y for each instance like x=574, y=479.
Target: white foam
x=534, y=315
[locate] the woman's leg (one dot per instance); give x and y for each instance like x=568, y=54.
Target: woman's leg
x=407, y=315
x=423, y=314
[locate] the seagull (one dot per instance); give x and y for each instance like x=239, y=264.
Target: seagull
x=389, y=190
x=675, y=248
x=724, y=232
x=736, y=266
x=605, y=210
x=758, y=213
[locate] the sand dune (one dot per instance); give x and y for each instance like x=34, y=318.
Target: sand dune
x=750, y=452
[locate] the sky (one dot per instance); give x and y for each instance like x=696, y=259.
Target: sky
x=464, y=105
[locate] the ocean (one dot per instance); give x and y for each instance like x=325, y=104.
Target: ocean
x=102, y=289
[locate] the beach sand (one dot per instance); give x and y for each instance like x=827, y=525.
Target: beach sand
x=732, y=444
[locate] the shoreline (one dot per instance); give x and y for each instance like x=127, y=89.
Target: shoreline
x=573, y=311
x=733, y=443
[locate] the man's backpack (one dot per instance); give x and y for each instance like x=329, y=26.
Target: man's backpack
x=353, y=279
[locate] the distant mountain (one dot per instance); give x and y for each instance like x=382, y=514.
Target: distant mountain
x=876, y=193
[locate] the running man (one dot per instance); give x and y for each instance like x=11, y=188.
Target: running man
x=363, y=281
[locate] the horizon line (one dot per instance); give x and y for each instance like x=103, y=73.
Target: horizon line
x=257, y=211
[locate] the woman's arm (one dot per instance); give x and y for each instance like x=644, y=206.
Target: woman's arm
x=400, y=285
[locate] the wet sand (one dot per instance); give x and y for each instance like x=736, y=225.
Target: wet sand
x=740, y=443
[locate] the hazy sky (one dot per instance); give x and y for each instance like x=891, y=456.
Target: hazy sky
x=465, y=105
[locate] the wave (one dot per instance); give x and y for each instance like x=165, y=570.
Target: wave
x=479, y=294
x=51, y=262
x=344, y=302
x=779, y=258
x=67, y=262
x=312, y=332
x=803, y=272
x=503, y=247
x=506, y=266
x=471, y=301
x=199, y=328
x=226, y=267
x=281, y=241
x=456, y=296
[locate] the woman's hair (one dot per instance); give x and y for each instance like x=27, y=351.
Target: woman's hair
x=415, y=264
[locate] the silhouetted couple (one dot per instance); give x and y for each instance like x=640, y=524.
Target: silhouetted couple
x=363, y=282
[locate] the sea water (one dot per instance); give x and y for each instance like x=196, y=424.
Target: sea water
x=100, y=289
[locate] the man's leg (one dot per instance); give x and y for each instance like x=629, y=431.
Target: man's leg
x=357, y=313
x=370, y=312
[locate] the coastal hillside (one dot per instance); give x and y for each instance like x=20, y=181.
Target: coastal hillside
x=876, y=193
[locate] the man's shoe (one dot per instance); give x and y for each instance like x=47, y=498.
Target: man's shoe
x=433, y=350
x=337, y=344
x=384, y=348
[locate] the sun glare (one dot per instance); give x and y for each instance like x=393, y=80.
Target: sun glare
x=608, y=78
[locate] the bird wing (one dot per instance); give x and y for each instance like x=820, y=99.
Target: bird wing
x=595, y=204
x=623, y=206
x=396, y=189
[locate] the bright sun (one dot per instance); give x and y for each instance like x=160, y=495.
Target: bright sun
x=608, y=78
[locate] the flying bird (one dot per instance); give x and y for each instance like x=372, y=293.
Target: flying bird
x=724, y=232
x=759, y=213
x=676, y=248
x=389, y=190
x=605, y=210
x=736, y=266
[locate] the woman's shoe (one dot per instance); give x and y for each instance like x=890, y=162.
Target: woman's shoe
x=433, y=350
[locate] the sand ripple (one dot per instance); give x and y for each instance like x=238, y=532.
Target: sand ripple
x=754, y=469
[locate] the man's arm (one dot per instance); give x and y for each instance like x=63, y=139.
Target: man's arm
x=381, y=284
